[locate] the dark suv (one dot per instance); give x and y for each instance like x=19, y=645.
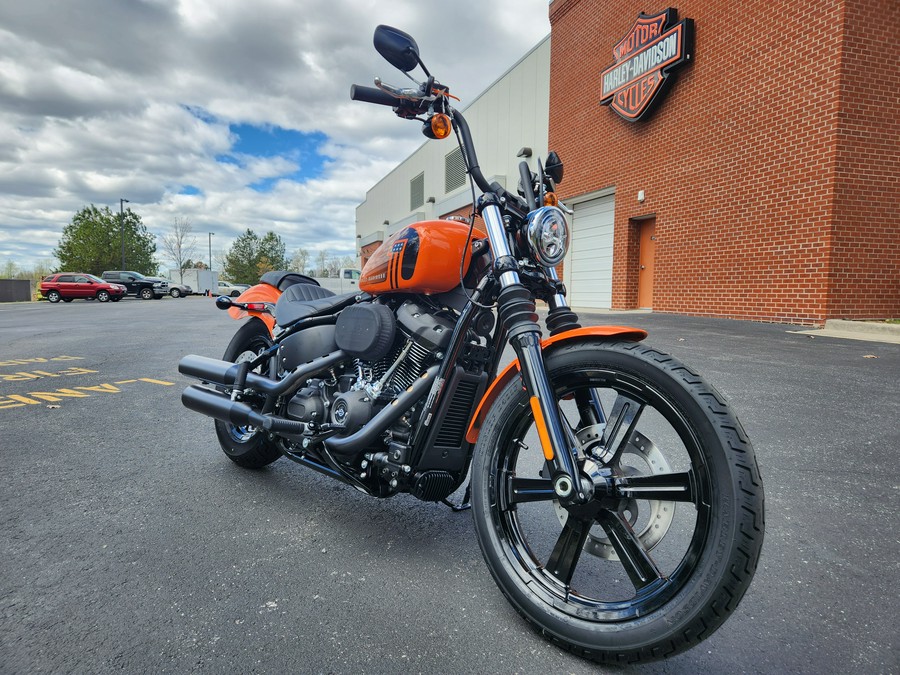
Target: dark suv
x=137, y=284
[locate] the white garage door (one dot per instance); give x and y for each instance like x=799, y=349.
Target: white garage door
x=590, y=282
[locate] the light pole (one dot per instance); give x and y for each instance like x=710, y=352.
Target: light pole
x=210, y=262
x=122, y=203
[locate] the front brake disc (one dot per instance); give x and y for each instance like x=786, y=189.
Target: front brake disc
x=652, y=517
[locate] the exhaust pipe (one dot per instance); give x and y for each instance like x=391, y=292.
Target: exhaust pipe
x=372, y=430
x=220, y=406
x=226, y=373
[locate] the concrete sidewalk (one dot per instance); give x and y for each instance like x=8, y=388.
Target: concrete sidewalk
x=871, y=331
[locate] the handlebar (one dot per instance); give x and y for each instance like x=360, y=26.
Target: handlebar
x=372, y=95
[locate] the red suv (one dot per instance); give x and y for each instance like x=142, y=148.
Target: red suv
x=67, y=286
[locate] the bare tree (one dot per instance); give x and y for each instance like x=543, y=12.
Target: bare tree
x=322, y=263
x=180, y=245
x=300, y=260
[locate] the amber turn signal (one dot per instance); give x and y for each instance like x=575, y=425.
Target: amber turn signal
x=550, y=199
x=440, y=125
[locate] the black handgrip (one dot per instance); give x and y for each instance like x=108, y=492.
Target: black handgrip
x=372, y=95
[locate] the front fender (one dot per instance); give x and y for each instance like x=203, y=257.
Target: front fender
x=257, y=293
x=512, y=370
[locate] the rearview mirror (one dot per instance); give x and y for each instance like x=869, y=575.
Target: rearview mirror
x=397, y=47
x=554, y=167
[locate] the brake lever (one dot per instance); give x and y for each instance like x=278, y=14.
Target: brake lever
x=399, y=92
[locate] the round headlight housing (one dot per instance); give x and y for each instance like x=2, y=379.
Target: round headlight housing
x=548, y=235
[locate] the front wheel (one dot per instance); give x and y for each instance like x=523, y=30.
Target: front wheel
x=247, y=446
x=146, y=294
x=668, y=544
x=175, y=293
x=103, y=296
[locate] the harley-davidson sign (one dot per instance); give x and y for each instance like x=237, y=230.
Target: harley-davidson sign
x=644, y=59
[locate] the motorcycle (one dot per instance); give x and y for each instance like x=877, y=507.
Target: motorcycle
x=615, y=496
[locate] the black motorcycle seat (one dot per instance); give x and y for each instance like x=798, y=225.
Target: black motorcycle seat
x=282, y=279
x=302, y=301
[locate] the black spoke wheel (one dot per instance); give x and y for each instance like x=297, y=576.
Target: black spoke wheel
x=666, y=548
x=247, y=446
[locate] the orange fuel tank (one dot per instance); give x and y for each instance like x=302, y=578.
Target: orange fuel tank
x=421, y=258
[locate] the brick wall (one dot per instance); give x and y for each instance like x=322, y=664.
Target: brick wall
x=739, y=161
x=865, y=269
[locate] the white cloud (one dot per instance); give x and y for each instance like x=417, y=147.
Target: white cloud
x=99, y=101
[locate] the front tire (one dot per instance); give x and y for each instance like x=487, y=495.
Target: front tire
x=675, y=476
x=146, y=294
x=247, y=446
x=103, y=296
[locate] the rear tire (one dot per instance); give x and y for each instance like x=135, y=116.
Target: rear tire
x=247, y=446
x=53, y=296
x=689, y=531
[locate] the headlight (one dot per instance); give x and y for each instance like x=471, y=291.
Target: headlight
x=548, y=235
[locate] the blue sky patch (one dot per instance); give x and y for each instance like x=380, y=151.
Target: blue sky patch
x=189, y=190
x=299, y=147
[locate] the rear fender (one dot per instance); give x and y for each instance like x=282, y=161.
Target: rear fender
x=257, y=293
x=547, y=346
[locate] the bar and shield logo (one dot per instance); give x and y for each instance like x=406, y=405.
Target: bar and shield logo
x=644, y=61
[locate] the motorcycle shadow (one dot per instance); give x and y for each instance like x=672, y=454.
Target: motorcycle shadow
x=401, y=524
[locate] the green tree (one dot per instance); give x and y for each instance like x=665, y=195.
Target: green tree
x=250, y=257
x=92, y=242
x=241, y=259
x=272, y=248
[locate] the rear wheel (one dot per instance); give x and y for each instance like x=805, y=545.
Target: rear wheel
x=245, y=445
x=53, y=296
x=667, y=546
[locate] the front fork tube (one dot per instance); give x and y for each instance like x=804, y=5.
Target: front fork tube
x=517, y=313
x=556, y=439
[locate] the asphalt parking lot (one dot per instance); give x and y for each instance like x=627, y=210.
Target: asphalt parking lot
x=130, y=543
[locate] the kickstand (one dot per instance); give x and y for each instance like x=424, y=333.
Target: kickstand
x=464, y=505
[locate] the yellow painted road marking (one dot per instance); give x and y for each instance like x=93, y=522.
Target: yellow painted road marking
x=40, y=397
x=39, y=359
x=23, y=376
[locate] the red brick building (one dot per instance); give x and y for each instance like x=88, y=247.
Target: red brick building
x=766, y=183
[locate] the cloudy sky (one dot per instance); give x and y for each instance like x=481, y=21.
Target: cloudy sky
x=232, y=114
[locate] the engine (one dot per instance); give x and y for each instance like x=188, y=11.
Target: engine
x=391, y=348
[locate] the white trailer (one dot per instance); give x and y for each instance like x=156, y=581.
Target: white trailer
x=200, y=281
